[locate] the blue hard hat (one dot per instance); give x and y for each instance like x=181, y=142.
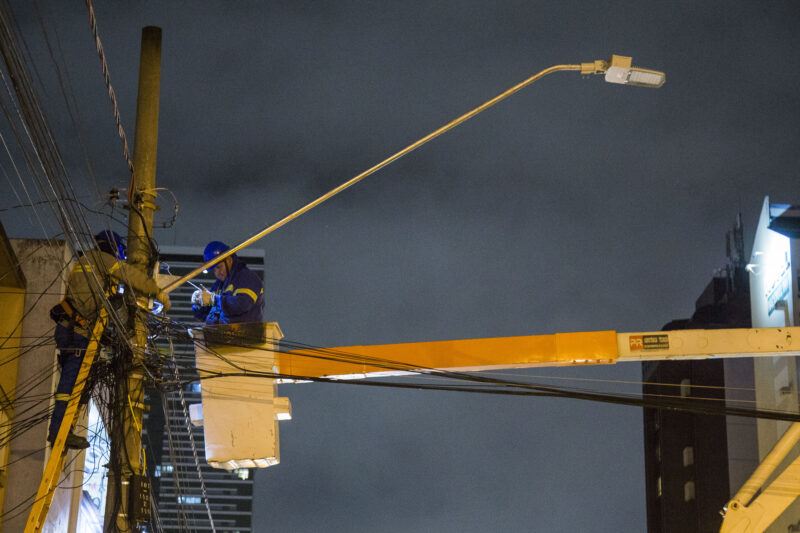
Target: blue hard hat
x=213, y=249
x=111, y=242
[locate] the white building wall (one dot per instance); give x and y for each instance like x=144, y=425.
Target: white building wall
x=45, y=266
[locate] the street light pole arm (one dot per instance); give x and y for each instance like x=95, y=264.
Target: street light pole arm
x=450, y=125
x=596, y=67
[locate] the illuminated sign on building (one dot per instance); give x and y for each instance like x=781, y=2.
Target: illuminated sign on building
x=771, y=281
x=778, y=290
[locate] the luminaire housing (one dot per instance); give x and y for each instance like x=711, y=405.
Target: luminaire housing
x=620, y=71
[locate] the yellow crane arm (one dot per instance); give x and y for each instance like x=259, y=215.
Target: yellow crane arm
x=746, y=514
x=559, y=349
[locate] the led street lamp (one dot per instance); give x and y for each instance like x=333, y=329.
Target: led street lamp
x=619, y=70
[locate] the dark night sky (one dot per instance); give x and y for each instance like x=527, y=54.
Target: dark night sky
x=574, y=205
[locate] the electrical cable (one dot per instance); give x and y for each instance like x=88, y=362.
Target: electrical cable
x=47, y=152
x=70, y=102
x=111, y=95
x=618, y=381
x=30, y=500
x=173, y=460
x=55, y=186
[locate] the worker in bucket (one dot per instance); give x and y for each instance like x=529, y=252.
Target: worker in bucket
x=236, y=296
x=102, y=267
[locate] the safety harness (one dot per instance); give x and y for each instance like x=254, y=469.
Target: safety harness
x=64, y=313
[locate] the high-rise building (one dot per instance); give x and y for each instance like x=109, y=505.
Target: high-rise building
x=176, y=461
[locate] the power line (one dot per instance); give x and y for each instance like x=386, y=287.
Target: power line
x=111, y=95
x=191, y=440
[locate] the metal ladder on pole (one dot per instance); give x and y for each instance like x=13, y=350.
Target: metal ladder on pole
x=55, y=463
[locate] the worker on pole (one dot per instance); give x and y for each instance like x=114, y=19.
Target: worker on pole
x=236, y=296
x=76, y=314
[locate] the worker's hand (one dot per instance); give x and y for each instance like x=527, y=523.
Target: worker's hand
x=207, y=298
x=163, y=297
x=196, y=298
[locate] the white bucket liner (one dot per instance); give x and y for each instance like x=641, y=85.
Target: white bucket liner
x=239, y=413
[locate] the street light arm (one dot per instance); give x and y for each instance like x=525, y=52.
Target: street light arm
x=596, y=67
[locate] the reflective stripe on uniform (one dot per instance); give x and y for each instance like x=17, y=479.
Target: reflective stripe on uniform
x=62, y=397
x=229, y=288
x=248, y=292
x=78, y=267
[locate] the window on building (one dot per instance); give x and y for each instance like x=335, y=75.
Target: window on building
x=688, y=491
x=688, y=456
x=686, y=387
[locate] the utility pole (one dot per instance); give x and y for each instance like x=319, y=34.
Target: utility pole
x=124, y=503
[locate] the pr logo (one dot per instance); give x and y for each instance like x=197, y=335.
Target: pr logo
x=636, y=342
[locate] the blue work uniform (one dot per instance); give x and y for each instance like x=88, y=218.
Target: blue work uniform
x=71, y=349
x=239, y=298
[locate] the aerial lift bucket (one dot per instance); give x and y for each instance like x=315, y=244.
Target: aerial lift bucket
x=240, y=404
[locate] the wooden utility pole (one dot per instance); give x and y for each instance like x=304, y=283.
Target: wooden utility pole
x=126, y=433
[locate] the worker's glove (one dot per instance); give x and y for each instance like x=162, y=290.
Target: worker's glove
x=163, y=297
x=207, y=298
x=196, y=298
